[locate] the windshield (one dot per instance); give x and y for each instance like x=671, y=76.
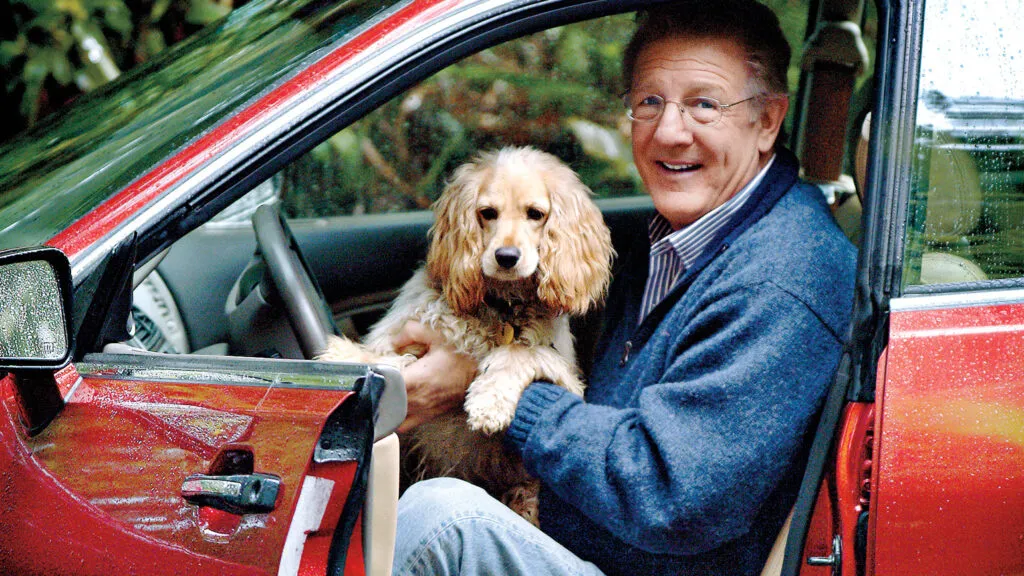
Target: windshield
x=54, y=174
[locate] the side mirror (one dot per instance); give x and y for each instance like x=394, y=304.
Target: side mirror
x=36, y=336
x=35, y=316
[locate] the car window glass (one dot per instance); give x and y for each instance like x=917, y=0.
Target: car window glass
x=112, y=137
x=558, y=90
x=966, y=216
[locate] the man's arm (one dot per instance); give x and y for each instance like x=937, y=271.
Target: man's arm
x=690, y=464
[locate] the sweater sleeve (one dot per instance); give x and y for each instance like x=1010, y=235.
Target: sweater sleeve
x=686, y=467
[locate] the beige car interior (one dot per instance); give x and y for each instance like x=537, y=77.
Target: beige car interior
x=380, y=513
x=954, y=208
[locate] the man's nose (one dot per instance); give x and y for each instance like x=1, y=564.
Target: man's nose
x=674, y=127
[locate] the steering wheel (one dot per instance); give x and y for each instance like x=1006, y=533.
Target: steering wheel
x=303, y=301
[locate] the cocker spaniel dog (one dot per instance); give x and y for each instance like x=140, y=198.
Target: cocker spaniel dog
x=516, y=248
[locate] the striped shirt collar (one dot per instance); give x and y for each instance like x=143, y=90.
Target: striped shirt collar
x=690, y=241
x=687, y=243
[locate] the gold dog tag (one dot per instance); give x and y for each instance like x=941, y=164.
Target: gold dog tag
x=507, y=334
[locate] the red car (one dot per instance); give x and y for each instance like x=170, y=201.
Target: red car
x=160, y=415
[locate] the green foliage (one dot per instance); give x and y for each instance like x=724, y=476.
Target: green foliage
x=53, y=50
x=557, y=90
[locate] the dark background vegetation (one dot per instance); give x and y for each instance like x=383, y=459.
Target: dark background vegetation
x=51, y=51
x=558, y=90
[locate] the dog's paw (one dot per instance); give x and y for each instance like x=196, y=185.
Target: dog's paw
x=341, y=349
x=488, y=416
x=492, y=398
x=504, y=374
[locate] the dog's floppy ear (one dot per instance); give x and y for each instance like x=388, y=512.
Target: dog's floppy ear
x=456, y=245
x=576, y=252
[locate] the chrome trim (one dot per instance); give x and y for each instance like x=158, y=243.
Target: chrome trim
x=957, y=300
x=74, y=388
x=343, y=79
x=223, y=371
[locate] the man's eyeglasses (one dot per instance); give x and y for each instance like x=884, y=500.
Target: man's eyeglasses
x=650, y=107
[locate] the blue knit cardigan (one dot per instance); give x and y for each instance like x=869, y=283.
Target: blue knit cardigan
x=687, y=453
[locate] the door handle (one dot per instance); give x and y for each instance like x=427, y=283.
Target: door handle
x=235, y=493
x=834, y=559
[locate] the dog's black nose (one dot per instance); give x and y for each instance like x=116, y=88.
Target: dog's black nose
x=507, y=256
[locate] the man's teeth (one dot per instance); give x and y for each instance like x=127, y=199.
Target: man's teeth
x=680, y=167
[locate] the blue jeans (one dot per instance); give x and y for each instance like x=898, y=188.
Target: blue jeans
x=447, y=526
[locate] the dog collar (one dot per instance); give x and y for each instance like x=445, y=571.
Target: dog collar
x=508, y=333
x=507, y=310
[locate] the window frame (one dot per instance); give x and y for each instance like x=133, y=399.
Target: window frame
x=900, y=286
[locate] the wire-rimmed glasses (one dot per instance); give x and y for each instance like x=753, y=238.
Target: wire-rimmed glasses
x=703, y=109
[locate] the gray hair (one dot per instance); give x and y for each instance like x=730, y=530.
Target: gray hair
x=751, y=24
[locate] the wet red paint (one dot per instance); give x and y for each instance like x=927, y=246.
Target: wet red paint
x=98, y=492
x=950, y=479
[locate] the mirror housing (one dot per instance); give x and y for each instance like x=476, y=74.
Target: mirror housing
x=36, y=335
x=35, y=320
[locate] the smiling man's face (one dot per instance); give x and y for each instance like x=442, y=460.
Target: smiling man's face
x=689, y=169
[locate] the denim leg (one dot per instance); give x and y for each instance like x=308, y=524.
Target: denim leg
x=448, y=527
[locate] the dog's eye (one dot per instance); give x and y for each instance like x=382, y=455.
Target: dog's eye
x=488, y=213
x=534, y=214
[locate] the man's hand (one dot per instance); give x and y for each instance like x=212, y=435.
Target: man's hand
x=435, y=383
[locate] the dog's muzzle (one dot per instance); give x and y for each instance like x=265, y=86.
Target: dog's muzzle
x=507, y=256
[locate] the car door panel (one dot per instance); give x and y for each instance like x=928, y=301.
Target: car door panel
x=951, y=453
x=49, y=529
x=136, y=427
x=949, y=486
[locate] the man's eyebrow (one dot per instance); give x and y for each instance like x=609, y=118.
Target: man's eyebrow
x=697, y=89
x=642, y=87
x=705, y=89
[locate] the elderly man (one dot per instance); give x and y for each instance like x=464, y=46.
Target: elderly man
x=724, y=327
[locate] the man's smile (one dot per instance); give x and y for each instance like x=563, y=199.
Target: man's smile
x=681, y=167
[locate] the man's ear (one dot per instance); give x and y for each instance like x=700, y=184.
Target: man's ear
x=773, y=114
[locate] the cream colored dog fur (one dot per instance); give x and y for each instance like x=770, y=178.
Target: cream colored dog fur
x=517, y=246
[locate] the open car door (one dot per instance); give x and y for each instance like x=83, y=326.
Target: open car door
x=164, y=464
